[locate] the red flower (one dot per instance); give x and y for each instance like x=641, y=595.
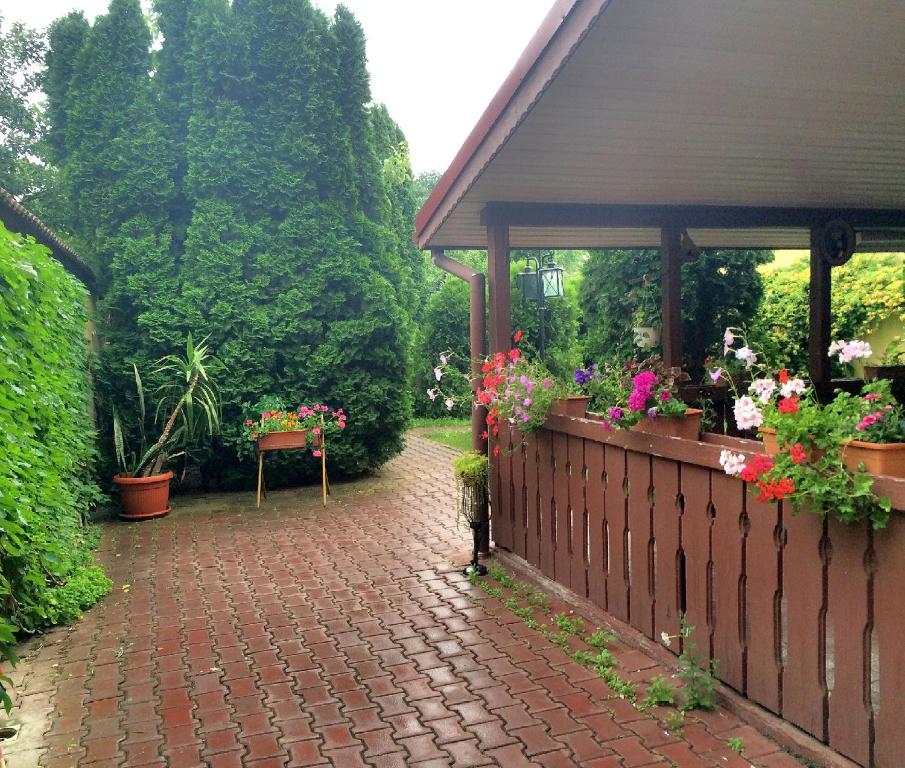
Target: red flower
x=496, y=431
x=783, y=376
x=798, y=453
x=776, y=490
x=514, y=354
x=788, y=405
x=518, y=337
x=758, y=465
x=484, y=435
x=496, y=450
x=486, y=368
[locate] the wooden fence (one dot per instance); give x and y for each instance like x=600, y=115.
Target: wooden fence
x=805, y=617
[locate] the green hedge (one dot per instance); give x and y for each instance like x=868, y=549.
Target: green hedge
x=47, y=444
x=866, y=290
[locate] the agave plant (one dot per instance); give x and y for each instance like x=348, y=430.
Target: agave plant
x=190, y=401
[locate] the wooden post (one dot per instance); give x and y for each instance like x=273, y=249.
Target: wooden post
x=820, y=316
x=671, y=298
x=260, y=474
x=498, y=274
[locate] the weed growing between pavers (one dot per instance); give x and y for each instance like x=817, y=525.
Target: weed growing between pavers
x=697, y=691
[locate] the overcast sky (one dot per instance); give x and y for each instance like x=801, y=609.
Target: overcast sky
x=435, y=64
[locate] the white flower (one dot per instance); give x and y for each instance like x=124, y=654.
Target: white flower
x=732, y=463
x=746, y=355
x=835, y=347
x=764, y=389
x=854, y=350
x=438, y=373
x=449, y=403
x=747, y=414
x=432, y=394
x=665, y=637
x=792, y=387
x=728, y=340
x=444, y=359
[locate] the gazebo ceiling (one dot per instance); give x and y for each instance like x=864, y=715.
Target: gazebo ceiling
x=760, y=103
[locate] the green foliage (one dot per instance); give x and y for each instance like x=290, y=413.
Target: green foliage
x=246, y=189
x=21, y=121
x=569, y=625
x=866, y=290
x=660, y=692
x=621, y=289
x=736, y=744
x=48, y=443
x=471, y=469
x=696, y=674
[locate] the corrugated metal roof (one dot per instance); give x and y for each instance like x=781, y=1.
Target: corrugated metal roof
x=797, y=103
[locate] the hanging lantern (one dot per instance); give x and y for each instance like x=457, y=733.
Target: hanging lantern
x=551, y=280
x=527, y=282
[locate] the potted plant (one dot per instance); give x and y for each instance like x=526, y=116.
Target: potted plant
x=647, y=400
x=513, y=389
x=471, y=471
x=190, y=398
x=876, y=429
x=280, y=428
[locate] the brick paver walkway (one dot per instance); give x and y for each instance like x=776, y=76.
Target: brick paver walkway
x=297, y=636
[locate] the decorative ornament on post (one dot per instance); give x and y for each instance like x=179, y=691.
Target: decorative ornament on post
x=540, y=284
x=471, y=472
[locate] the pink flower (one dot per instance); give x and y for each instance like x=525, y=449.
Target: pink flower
x=316, y=431
x=317, y=454
x=665, y=396
x=248, y=422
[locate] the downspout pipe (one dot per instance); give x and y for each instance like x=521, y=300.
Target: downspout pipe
x=477, y=333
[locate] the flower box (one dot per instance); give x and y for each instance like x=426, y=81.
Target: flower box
x=892, y=372
x=283, y=440
x=688, y=427
x=771, y=445
x=574, y=405
x=878, y=458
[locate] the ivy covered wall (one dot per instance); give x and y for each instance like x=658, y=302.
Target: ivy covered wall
x=47, y=477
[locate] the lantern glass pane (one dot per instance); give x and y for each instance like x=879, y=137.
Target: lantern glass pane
x=552, y=282
x=528, y=284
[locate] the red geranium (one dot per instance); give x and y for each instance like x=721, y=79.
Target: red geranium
x=798, y=453
x=517, y=337
x=788, y=405
x=783, y=376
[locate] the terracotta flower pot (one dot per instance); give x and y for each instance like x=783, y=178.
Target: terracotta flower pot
x=144, y=498
x=272, y=441
x=688, y=427
x=877, y=458
x=574, y=405
x=771, y=445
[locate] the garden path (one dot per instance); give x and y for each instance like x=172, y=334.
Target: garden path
x=297, y=636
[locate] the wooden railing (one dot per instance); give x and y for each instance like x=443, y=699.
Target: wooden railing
x=805, y=616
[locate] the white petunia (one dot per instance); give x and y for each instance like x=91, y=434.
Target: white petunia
x=438, y=373
x=728, y=340
x=732, y=463
x=747, y=414
x=764, y=389
x=746, y=355
x=665, y=637
x=432, y=394
x=449, y=403
x=792, y=387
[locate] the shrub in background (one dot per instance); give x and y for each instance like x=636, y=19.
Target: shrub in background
x=47, y=439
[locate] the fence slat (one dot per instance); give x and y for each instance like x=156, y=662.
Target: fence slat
x=597, y=567
x=532, y=512
x=639, y=523
x=667, y=613
x=849, y=654
x=617, y=533
x=502, y=533
x=696, y=546
x=545, y=493
x=562, y=568
x=889, y=620
x=519, y=507
x=728, y=546
x=762, y=600
x=578, y=514
x=804, y=682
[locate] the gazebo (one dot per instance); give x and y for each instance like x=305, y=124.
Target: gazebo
x=686, y=125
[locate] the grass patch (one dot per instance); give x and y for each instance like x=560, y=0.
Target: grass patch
x=440, y=423
x=459, y=440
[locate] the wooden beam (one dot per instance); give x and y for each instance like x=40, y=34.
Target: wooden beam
x=671, y=294
x=498, y=275
x=690, y=216
x=820, y=316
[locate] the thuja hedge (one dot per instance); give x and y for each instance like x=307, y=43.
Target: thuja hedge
x=47, y=444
